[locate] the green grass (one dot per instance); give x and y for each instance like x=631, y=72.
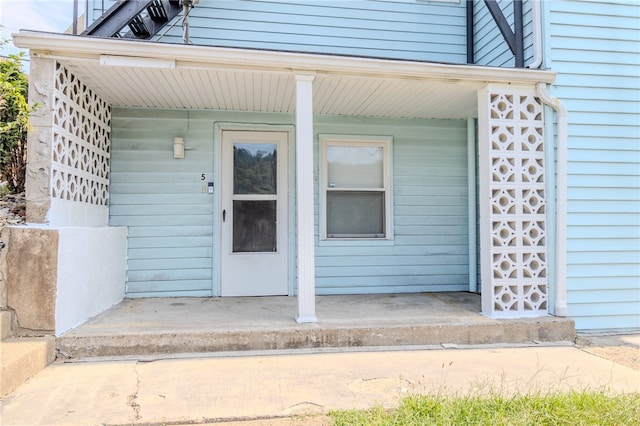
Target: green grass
x=572, y=408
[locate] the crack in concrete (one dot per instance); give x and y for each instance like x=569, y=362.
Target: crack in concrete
x=132, y=400
x=304, y=408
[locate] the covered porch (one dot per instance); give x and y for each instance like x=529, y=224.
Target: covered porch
x=153, y=327
x=80, y=81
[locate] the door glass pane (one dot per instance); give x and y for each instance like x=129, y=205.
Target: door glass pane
x=355, y=214
x=355, y=167
x=254, y=168
x=254, y=226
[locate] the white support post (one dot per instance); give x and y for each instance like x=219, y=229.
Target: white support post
x=304, y=199
x=484, y=198
x=472, y=209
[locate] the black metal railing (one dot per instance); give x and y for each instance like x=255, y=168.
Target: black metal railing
x=138, y=19
x=513, y=37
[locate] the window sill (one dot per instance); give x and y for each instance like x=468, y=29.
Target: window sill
x=356, y=242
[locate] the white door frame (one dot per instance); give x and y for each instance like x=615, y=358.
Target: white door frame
x=219, y=128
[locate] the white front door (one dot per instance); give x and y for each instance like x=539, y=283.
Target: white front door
x=254, y=219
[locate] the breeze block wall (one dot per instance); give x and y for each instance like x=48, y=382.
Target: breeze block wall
x=68, y=150
x=67, y=265
x=513, y=225
x=80, y=153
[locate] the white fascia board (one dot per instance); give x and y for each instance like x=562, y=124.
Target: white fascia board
x=63, y=46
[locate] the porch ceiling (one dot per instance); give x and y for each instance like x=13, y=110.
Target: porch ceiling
x=266, y=91
x=156, y=75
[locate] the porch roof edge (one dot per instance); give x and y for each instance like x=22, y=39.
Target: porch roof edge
x=87, y=48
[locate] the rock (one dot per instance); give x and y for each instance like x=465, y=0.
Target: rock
x=13, y=209
x=19, y=210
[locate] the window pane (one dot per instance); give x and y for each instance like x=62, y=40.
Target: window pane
x=355, y=167
x=254, y=168
x=254, y=226
x=356, y=214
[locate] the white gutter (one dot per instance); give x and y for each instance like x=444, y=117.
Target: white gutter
x=536, y=21
x=561, y=196
x=62, y=46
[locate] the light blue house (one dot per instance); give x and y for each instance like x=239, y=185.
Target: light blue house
x=306, y=148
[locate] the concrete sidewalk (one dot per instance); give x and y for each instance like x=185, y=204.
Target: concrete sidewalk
x=276, y=385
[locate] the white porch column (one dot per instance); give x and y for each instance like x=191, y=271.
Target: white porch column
x=304, y=199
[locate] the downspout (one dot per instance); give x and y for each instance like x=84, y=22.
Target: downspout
x=561, y=196
x=86, y=14
x=536, y=21
x=187, y=5
x=75, y=18
x=185, y=22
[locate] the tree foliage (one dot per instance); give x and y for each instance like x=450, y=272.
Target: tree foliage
x=14, y=122
x=254, y=171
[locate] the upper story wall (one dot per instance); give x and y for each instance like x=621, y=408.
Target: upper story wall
x=423, y=30
x=402, y=29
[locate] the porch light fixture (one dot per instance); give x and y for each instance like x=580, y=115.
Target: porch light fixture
x=178, y=147
x=137, y=62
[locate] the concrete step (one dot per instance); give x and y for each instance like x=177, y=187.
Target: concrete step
x=515, y=332
x=23, y=358
x=142, y=327
x=5, y=324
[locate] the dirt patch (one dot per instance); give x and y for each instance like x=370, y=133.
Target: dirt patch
x=623, y=349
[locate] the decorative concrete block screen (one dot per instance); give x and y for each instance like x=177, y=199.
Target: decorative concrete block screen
x=513, y=205
x=80, y=162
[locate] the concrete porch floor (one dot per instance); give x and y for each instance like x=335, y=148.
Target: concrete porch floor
x=141, y=327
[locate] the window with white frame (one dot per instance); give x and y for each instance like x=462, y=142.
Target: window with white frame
x=355, y=188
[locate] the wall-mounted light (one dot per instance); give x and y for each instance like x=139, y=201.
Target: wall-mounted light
x=178, y=147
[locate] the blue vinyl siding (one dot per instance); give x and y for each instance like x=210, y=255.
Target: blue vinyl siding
x=490, y=48
x=405, y=29
x=160, y=199
x=429, y=251
x=172, y=236
x=430, y=31
x=489, y=45
x=595, y=48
